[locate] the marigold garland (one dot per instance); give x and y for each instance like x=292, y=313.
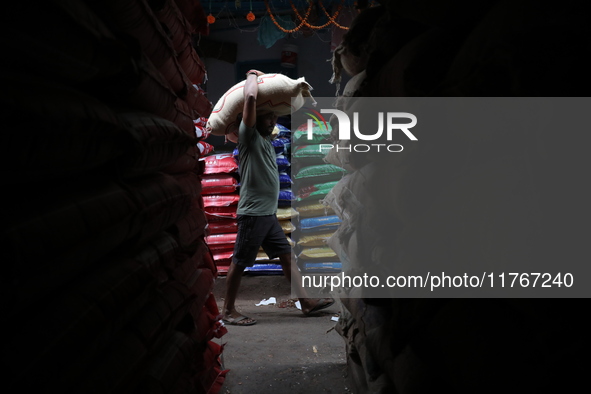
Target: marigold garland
x=304, y=19
x=332, y=19
x=279, y=26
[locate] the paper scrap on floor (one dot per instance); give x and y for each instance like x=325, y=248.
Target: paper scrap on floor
x=270, y=301
x=298, y=305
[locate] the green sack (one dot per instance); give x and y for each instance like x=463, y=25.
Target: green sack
x=321, y=172
x=316, y=191
x=319, y=135
x=311, y=151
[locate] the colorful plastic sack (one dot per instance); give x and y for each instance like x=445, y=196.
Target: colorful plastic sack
x=322, y=223
x=283, y=131
x=319, y=135
x=283, y=163
x=218, y=183
x=221, y=200
x=285, y=180
x=313, y=209
x=286, y=213
x=318, y=253
x=320, y=173
x=204, y=148
x=316, y=191
x=220, y=163
x=287, y=226
x=315, y=151
x=312, y=240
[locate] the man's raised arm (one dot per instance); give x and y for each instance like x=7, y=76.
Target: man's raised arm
x=251, y=89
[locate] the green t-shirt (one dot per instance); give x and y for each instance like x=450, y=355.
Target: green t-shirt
x=259, y=177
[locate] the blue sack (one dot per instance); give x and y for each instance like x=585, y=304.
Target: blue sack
x=283, y=131
x=279, y=145
x=324, y=267
x=320, y=223
x=286, y=195
x=285, y=180
x=282, y=163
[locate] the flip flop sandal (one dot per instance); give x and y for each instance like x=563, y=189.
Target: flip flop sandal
x=236, y=321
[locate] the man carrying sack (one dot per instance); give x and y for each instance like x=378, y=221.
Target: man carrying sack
x=257, y=221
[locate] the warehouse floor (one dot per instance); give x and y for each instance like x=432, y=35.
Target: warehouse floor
x=285, y=352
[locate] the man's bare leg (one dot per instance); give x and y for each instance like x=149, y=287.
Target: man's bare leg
x=291, y=272
x=233, y=279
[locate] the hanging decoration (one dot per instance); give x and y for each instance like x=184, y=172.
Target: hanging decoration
x=298, y=27
x=210, y=17
x=304, y=19
x=250, y=16
x=333, y=18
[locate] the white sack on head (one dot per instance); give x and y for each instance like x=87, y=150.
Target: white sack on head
x=275, y=95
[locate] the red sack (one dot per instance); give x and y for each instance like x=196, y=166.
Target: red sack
x=204, y=148
x=222, y=226
x=218, y=183
x=220, y=239
x=223, y=258
x=223, y=269
x=221, y=248
x=200, y=122
x=221, y=200
x=200, y=132
x=221, y=163
x=221, y=212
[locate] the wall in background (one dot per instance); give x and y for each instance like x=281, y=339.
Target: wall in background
x=314, y=54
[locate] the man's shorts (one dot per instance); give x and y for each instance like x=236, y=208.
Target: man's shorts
x=257, y=231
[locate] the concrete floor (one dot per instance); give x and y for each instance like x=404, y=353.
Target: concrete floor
x=285, y=352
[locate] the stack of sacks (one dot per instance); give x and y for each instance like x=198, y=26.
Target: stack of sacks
x=314, y=178
x=204, y=148
x=222, y=248
x=457, y=210
x=284, y=135
x=104, y=219
x=220, y=200
x=286, y=196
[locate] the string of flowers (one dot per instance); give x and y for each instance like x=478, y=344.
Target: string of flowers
x=304, y=19
x=298, y=27
x=332, y=19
